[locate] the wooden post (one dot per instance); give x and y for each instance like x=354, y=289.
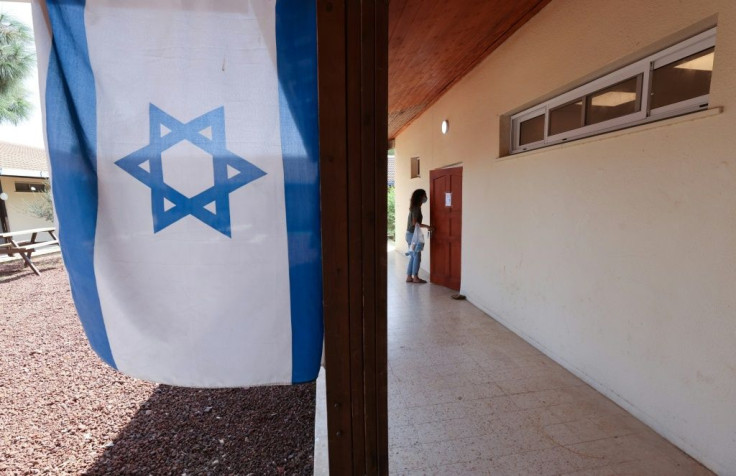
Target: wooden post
x=4, y=224
x=353, y=102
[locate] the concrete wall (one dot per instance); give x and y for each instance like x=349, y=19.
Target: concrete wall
x=615, y=255
x=17, y=204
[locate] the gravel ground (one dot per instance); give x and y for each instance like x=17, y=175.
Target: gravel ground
x=63, y=411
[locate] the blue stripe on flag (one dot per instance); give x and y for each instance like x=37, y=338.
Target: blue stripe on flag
x=71, y=128
x=296, y=45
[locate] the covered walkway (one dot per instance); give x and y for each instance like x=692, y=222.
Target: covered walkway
x=467, y=396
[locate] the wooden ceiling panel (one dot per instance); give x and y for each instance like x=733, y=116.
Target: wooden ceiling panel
x=434, y=43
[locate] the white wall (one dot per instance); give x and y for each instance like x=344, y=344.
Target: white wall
x=17, y=204
x=615, y=255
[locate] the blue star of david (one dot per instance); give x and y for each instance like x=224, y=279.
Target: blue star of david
x=222, y=158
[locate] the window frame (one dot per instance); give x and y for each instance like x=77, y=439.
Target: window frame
x=528, y=115
x=644, y=67
x=415, y=164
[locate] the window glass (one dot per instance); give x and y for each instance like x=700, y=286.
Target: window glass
x=414, y=167
x=665, y=84
x=531, y=130
x=614, y=101
x=566, y=118
x=29, y=187
x=682, y=80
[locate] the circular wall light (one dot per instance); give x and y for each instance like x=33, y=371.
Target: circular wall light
x=445, y=126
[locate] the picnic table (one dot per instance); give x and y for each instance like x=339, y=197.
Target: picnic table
x=10, y=245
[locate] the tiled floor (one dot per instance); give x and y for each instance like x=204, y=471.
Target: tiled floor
x=467, y=396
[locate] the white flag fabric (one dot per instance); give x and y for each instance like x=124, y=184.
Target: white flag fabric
x=183, y=143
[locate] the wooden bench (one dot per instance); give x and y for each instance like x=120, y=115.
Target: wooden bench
x=11, y=245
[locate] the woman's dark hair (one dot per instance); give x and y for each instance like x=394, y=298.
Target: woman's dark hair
x=417, y=197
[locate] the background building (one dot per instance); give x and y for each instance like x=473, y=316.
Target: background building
x=23, y=177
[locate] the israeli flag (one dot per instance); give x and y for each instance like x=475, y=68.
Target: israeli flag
x=183, y=142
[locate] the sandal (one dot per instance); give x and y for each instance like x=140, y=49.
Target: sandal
x=409, y=280
x=418, y=280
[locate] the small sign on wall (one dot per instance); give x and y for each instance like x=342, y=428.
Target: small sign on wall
x=448, y=199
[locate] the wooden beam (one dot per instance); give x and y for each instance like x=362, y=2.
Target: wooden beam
x=4, y=223
x=353, y=84
x=435, y=43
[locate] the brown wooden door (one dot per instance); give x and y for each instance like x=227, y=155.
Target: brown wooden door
x=446, y=215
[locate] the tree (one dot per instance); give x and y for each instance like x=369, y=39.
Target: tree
x=16, y=61
x=391, y=213
x=41, y=205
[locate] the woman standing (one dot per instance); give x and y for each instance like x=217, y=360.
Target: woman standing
x=415, y=219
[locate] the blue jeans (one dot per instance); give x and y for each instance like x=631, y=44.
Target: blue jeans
x=415, y=257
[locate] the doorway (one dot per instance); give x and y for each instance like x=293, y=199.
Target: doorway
x=446, y=207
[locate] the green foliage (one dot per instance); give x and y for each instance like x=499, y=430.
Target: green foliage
x=16, y=61
x=391, y=213
x=14, y=107
x=41, y=206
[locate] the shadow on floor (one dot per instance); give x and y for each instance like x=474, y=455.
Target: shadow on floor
x=264, y=430
x=13, y=269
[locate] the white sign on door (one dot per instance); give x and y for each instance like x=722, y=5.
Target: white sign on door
x=448, y=199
